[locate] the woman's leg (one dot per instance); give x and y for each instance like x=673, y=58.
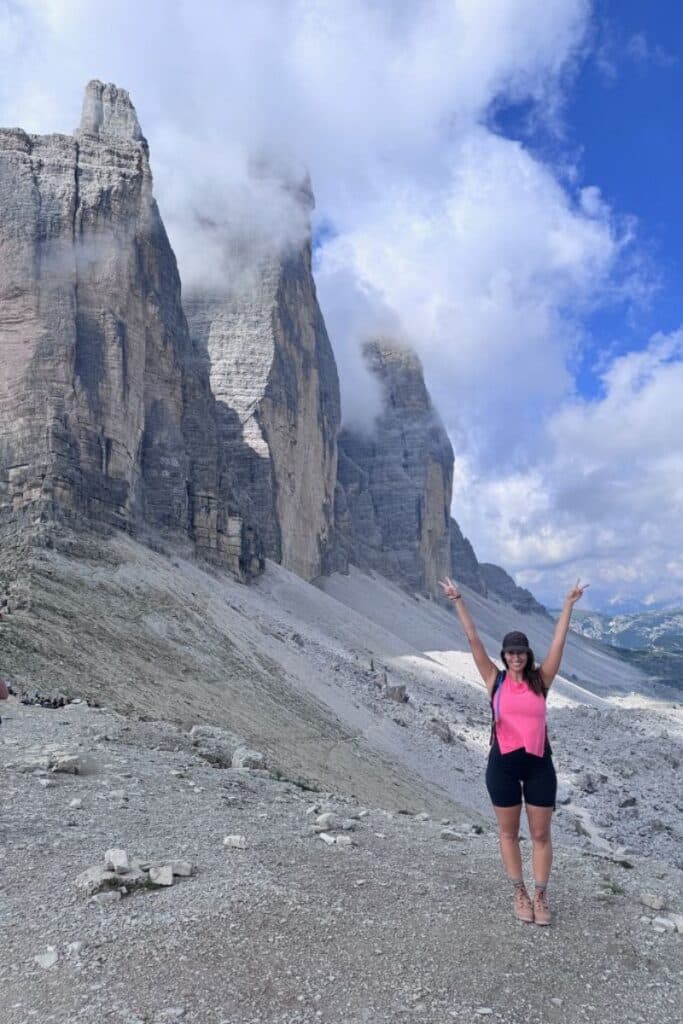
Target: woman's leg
x=539, y=819
x=508, y=837
x=541, y=857
x=505, y=791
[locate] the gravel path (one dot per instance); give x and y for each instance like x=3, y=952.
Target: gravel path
x=402, y=924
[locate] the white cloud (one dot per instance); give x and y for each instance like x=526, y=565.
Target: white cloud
x=607, y=504
x=368, y=95
x=614, y=51
x=488, y=273
x=437, y=228
x=640, y=49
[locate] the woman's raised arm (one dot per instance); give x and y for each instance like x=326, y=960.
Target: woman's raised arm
x=487, y=668
x=551, y=663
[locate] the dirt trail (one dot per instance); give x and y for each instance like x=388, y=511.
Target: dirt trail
x=402, y=924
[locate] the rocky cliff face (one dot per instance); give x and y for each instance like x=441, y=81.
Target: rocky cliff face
x=487, y=579
x=275, y=380
x=500, y=584
x=105, y=406
x=113, y=410
x=464, y=565
x=394, y=492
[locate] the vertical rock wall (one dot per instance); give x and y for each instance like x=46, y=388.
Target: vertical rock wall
x=394, y=493
x=105, y=406
x=275, y=381
x=464, y=565
x=500, y=584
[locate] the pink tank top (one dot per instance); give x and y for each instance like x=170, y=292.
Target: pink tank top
x=521, y=721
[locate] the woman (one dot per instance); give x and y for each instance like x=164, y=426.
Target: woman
x=520, y=761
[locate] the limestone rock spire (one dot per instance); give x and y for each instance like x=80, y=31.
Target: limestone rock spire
x=108, y=114
x=106, y=411
x=394, y=487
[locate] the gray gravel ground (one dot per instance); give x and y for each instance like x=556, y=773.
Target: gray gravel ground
x=402, y=925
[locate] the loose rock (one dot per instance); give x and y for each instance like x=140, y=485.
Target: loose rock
x=182, y=868
x=235, y=842
x=396, y=692
x=246, y=758
x=326, y=821
x=441, y=729
x=48, y=959
x=162, y=875
x=652, y=900
x=96, y=879
x=117, y=860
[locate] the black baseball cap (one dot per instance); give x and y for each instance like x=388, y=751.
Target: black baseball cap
x=516, y=642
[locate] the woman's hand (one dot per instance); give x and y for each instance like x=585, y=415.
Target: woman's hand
x=551, y=663
x=576, y=592
x=450, y=589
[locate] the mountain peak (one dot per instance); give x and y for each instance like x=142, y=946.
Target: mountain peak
x=109, y=113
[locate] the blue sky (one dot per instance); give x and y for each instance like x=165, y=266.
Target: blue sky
x=496, y=184
x=619, y=130
x=622, y=116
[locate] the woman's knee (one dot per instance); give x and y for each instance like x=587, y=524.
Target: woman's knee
x=539, y=820
x=540, y=835
x=508, y=819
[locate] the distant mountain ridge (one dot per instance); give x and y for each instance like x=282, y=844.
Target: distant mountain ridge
x=637, y=631
x=651, y=641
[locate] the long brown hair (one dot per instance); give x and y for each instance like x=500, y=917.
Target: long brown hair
x=531, y=674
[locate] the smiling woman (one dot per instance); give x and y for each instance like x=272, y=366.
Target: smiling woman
x=520, y=766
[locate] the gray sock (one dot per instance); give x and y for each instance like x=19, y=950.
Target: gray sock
x=541, y=886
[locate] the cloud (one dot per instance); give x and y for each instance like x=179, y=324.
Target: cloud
x=488, y=275
x=607, y=504
x=357, y=313
x=429, y=225
x=614, y=51
x=642, y=51
x=383, y=103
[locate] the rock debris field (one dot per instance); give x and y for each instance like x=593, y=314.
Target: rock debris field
x=145, y=879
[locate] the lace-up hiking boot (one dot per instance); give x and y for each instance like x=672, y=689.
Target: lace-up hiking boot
x=541, y=909
x=524, y=910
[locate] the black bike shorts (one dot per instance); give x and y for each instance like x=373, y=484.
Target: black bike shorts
x=511, y=776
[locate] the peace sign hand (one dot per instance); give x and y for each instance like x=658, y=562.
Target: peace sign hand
x=450, y=589
x=576, y=592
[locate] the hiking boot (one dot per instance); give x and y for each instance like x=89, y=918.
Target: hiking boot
x=524, y=910
x=541, y=909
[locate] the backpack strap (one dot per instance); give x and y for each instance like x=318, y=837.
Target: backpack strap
x=495, y=702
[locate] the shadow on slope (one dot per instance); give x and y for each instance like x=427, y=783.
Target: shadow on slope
x=163, y=637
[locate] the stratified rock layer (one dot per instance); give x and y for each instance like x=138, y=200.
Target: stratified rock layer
x=275, y=380
x=394, y=493
x=105, y=406
x=464, y=565
x=500, y=584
